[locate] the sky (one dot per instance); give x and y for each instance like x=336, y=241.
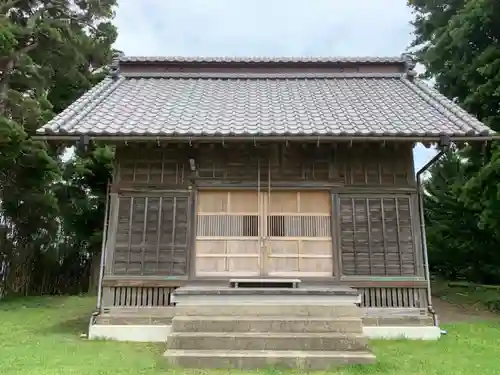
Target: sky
x=266, y=28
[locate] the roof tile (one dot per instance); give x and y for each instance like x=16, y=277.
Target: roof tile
x=222, y=105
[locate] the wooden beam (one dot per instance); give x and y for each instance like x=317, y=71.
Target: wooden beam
x=147, y=282
x=421, y=284
x=138, y=187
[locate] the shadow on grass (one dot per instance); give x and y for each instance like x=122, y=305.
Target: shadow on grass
x=77, y=325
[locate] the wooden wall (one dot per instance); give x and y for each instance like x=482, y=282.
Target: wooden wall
x=373, y=188
x=152, y=234
x=359, y=165
x=376, y=235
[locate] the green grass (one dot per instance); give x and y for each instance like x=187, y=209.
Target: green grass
x=41, y=336
x=468, y=294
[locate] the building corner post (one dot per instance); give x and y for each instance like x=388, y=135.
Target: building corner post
x=444, y=146
x=103, y=250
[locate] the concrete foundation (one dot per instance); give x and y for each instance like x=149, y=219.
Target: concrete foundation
x=161, y=332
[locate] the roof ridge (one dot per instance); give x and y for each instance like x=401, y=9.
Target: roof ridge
x=88, y=101
x=438, y=102
x=232, y=75
x=263, y=59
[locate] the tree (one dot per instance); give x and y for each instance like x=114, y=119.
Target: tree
x=458, y=41
x=82, y=197
x=459, y=247
x=48, y=50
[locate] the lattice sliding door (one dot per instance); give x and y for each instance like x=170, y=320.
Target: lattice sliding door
x=227, y=238
x=152, y=235
x=298, y=232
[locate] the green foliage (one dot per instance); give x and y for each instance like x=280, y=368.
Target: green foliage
x=82, y=196
x=48, y=51
x=458, y=41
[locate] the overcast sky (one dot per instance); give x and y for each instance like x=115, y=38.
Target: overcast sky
x=265, y=28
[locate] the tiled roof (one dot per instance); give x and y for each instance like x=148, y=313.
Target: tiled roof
x=258, y=59
x=225, y=104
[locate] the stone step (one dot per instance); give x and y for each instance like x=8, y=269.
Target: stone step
x=265, y=324
x=266, y=341
x=234, y=359
x=401, y=321
x=136, y=316
x=142, y=311
x=132, y=320
x=318, y=311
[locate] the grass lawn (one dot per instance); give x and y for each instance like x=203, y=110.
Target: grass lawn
x=470, y=295
x=42, y=336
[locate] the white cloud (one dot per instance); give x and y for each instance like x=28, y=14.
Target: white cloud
x=266, y=28
x=263, y=27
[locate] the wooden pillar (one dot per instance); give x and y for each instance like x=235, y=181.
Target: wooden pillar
x=336, y=243
x=111, y=235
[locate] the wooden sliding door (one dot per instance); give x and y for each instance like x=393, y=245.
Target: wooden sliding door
x=299, y=238
x=252, y=233
x=227, y=238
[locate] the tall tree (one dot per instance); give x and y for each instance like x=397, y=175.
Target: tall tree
x=48, y=49
x=458, y=41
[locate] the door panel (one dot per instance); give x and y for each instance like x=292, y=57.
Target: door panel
x=227, y=237
x=298, y=234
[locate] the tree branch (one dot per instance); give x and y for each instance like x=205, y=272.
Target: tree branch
x=4, y=85
x=7, y=6
x=6, y=72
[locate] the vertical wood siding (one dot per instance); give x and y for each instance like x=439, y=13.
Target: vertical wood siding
x=376, y=236
x=152, y=235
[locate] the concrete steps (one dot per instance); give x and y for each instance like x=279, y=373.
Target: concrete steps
x=266, y=341
x=265, y=324
x=236, y=359
x=244, y=328
x=270, y=310
x=304, y=337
